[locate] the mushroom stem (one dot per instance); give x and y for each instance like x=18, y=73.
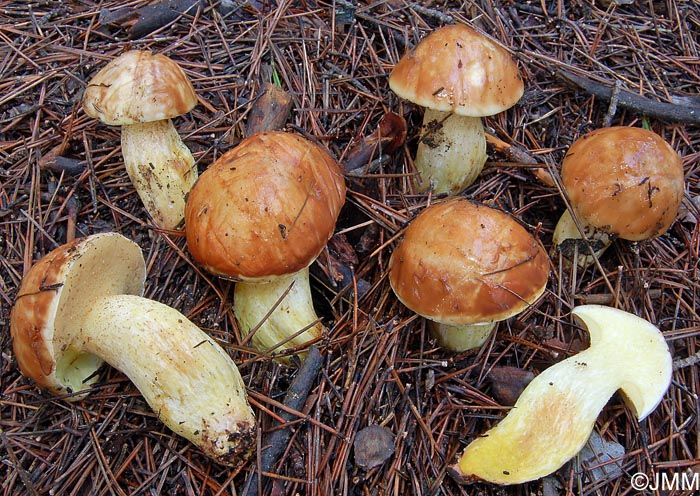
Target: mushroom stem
x=451, y=153
x=568, y=239
x=556, y=412
x=460, y=338
x=280, y=312
x=161, y=167
x=185, y=376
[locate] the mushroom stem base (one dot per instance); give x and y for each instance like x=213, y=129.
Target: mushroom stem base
x=461, y=337
x=570, y=242
x=279, y=313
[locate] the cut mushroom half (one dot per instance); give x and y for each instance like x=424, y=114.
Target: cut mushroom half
x=141, y=92
x=80, y=306
x=555, y=415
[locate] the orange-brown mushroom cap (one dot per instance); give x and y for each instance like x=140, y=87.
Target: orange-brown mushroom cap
x=55, y=294
x=625, y=181
x=139, y=86
x=265, y=208
x=455, y=69
x=465, y=263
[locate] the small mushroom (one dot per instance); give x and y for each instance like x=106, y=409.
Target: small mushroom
x=621, y=182
x=465, y=266
x=459, y=76
x=141, y=92
x=260, y=215
x=80, y=306
x=555, y=415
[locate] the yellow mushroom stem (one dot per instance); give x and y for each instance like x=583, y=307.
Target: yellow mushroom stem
x=451, y=153
x=161, y=167
x=280, y=312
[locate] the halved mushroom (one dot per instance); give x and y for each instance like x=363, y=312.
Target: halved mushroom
x=556, y=413
x=80, y=306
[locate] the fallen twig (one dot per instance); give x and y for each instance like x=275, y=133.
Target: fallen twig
x=652, y=108
x=275, y=443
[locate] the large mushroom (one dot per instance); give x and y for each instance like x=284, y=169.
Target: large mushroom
x=554, y=416
x=621, y=182
x=260, y=215
x=465, y=266
x=80, y=306
x=459, y=76
x=142, y=92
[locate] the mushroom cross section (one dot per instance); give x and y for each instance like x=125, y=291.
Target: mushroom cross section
x=459, y=76
x=142, y=92
x=260, y=215
x=555, y=415
x=80, y=306
x=465, y=266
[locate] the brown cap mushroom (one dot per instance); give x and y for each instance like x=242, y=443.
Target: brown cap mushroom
x=261, y=214
x=459, y=76
x=142, y=92
x=621, y=182
x=466, y=266
x=80, y=306
x=554, y=416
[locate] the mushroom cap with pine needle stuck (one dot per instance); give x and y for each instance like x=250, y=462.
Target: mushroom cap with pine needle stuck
x=265, y=208
x=624, y=181
x=465, y=263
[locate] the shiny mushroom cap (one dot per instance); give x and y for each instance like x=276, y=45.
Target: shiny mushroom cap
x=455, y=69
x=139, y=86
x=624, y=181
x=55, y=295
x=265, y=208
x=465, y=263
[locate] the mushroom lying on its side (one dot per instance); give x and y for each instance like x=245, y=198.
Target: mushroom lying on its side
x=142, y=92
x=554, y=416
x=80, y=306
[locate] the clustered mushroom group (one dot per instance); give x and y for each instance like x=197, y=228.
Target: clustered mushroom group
x=263, y=212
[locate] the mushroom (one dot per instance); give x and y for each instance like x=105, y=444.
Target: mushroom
x=460, y=76
x=465, y=266
x=80, y=306
x=260, y=215
x=620, y=182
x=141, y=92
x=556, y=412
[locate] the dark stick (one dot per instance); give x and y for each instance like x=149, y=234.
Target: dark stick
x=151, y=17
x=660, y=110
x=270, y=110
x=274, y=444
